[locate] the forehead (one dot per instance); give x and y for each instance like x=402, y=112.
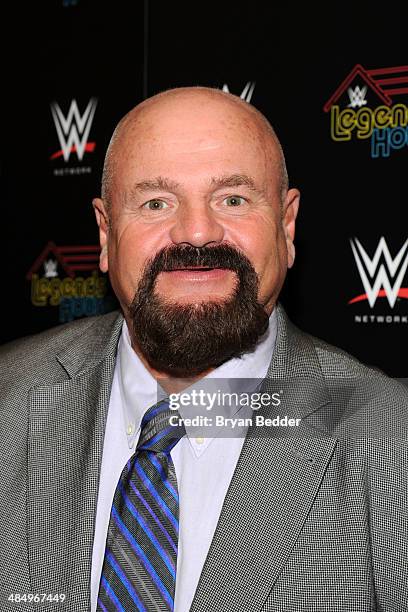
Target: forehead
x=191, y=140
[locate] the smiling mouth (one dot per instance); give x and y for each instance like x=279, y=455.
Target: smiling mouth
x=198, y=273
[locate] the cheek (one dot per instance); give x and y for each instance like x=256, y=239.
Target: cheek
x=128, y=253
x=265, y=246
x=263, y=243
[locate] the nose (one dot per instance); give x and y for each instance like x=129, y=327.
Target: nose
x=196, y=224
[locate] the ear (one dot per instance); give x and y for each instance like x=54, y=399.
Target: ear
x=102, y=220
x=289, y=214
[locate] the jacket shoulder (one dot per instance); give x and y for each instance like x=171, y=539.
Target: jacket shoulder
x=337, y=362
x=33, y=357
x=368, y=401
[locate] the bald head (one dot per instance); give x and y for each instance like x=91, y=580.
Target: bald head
x=186, y=103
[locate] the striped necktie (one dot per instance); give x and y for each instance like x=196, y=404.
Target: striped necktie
x=139, y=568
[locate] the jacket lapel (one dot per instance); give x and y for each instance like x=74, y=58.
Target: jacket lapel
x=273, y=487
x=67, y=424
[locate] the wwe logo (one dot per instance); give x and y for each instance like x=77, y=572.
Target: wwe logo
x=377, y=279
x=357, y=96
x=50, y=268
x=246, y=92
x=73, y=130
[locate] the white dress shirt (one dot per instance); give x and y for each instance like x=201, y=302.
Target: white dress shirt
x=203, y=465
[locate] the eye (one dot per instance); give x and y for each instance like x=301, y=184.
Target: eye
x=234, y=200
x=155, y=205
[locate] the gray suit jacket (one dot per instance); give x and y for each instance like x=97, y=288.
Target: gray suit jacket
x=312, y=521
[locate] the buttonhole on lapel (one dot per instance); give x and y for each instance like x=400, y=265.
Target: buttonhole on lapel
x=308, y=459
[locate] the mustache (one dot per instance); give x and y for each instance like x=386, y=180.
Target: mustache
x=179, y=257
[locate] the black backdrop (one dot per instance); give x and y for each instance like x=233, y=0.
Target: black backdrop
x=297, y=65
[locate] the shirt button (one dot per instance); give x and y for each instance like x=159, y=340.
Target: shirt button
x=129, y=429
x=199, y=440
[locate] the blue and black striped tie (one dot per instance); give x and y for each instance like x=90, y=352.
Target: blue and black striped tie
x=139, y=568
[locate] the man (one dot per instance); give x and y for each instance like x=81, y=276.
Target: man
x=196, y=225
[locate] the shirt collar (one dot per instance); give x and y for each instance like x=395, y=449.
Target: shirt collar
x=139, y=390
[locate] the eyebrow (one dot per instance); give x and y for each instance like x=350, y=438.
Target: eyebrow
x=233, y=180
x=161, y=183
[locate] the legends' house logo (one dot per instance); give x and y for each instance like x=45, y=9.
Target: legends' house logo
x=68, y=277
x=381, y=275
x=363, y=108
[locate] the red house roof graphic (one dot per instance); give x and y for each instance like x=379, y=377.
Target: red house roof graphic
x=71, y=258
x=381, y=80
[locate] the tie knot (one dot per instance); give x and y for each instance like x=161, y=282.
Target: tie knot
x=157, y=433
